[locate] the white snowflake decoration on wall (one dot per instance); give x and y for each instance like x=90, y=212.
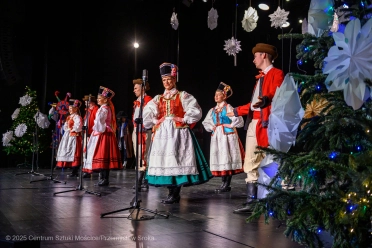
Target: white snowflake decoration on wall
x=20, y=130
x=349, y=62
x=41, y=120
x=249, y=22
x=212, y=18
x=278, y=18
x=7, y=137
x=15, y=114
x=174, y=21
x=25, y=100
x=232, y=46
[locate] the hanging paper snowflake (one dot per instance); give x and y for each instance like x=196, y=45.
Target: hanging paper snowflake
x=304, y=26
x=53, y=114
x=335, y=23
x=278, y=18
x=20, y=130
x=349, y=62
x=41, y=120
x=7, y=137
x=249, y=22
x=212, y=18
x=15, y=114
x=25, y=100
x=174, y=21
x=232, y=46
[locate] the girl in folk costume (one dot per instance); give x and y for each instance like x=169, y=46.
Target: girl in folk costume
x=102, y=149
x=145, y=137
x=226, y=151
x=175, y=158
x=70, y=147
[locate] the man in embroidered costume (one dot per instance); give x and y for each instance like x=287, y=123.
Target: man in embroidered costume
x=226, y=150
x=90, y=114
x=175, y=158
x=102, y=149
x=145, y=137
x=69, y=149
x=258, y=111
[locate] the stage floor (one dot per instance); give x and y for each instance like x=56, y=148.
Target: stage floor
x=73, y=219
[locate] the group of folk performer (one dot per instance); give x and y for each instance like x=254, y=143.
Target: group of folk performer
x=168, y=152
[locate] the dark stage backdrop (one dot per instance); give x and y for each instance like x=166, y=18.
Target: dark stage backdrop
x=76, y=46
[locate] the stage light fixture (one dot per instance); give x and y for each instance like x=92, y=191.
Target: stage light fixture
x=263, y=6
x=136, y=45
x=285, y=25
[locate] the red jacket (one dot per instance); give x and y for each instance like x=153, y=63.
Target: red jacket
x=137, y=104
x=92, y=117
x=271, y=81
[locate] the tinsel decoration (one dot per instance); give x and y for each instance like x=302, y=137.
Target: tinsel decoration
x=232, y=46
x=41, y=120
x=7, y=137
x=212, y=18
x=278, y=18
x=25, y=100
x=249, y=22
x=15, y=114
x=174, y=21
x=335, y=23
x=20, y=130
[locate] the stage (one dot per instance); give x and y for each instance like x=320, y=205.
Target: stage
x=30, y=211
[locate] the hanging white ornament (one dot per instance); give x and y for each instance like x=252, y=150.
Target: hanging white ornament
x=20, y=130
x=53, y=114
x=304, y=26
x=249, y=22
x=212, y=18
x=25, y=100
x=41, y=120
x=232, y=46
x=174, y=21
x=7, y=138
x=279, y=17
x=15, y=114
x=335, y=23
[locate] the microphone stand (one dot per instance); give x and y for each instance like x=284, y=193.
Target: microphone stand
x=136, y=202
x=35, y=149
x=84, y=140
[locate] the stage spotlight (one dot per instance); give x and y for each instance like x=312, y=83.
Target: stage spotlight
x=263, y=6
x=136, y=45
x=285, y=25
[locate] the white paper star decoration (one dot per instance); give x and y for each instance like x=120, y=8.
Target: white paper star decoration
x=7, y=137
x=20, y=130
x=15, y=114
x=25, y=100
x=212, y=18
x=174, y=21
x=250, y=18
x=232, y=46
x=278, y=18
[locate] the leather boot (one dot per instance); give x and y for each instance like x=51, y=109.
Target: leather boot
x=170, y=193
x=100, y=176
x=226, y=187
x=105, y=180
x=223, y=179
x=175, y=197
x=74, y=172
x=251, y=196
x=145, y=185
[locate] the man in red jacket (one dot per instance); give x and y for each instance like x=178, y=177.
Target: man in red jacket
x=145, y=134
x=258, y=111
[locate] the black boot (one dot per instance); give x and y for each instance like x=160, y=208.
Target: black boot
x=175, y=197
x=226, y=187
x=223, y=179
x=145, y=185
x=251, y=196
x=105, y=180
x=100, y=176
x=74, y=172
x=170, y=193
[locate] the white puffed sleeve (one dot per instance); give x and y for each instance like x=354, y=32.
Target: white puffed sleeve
x=78, y=124
x=208, y=121
x=65, y=126
x=193, y=112
x=235, y=121
x=100, y=120
x=150, y=113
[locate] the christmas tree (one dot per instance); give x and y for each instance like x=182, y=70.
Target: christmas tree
x=27, y=133
x=331, y=163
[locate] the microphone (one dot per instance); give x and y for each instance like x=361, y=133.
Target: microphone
x=145, y=75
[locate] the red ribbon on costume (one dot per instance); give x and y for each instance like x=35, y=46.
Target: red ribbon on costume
x=262, y=74
x=137, y=104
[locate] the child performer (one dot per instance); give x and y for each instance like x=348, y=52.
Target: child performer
x=102, y=149
x=226, y=151
x=69, y=149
